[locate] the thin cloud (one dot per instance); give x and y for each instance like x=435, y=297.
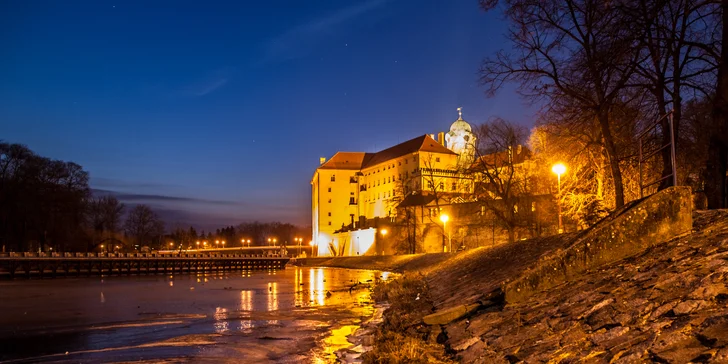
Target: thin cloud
x=151, y=198
x=296, y=41
x=210, y=86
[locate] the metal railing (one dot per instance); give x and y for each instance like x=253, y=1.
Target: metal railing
x=644, y=156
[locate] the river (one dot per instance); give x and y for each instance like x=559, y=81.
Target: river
x=292, y=315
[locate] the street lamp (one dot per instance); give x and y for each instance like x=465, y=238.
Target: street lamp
x=171, y=244
x=559, y=169
x=248, y=243
x=223, y=243
x=444, y=218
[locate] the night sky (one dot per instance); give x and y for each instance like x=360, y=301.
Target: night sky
x=216, y=112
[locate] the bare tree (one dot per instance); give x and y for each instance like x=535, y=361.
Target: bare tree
x=104, y=215
x=717, y=162
x=143, y=225
x=502, y=179
x=580, y=51
x=681, y=47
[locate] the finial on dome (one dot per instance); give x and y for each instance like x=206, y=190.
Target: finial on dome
x=460, y=113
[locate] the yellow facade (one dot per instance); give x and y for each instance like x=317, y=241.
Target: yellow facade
x=353, y=187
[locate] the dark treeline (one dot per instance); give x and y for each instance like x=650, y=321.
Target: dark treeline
x=42, y=201
x=258, y=233
x=47, y=205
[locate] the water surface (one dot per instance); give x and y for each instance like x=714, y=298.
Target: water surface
x=291, y=315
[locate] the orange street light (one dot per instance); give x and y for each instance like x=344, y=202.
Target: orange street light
x=559, y=169
x=444, y=218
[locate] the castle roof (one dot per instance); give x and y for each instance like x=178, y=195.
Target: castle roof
x=346, y=160
x=361, y=160
x=422, y=143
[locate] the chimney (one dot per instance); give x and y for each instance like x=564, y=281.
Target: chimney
x=441, y=138
x=322, y=160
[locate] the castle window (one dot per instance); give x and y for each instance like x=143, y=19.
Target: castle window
x=441, y=186
x=429, y=185
x=329, y=214
x=329, y=189
x=405, y=161
x=437, y=159
x=333, y=178
x=329, y=200
x=329, y=223
x=399, y=163
x=454, y=186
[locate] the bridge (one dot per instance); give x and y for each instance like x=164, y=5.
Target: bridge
x=26, y=265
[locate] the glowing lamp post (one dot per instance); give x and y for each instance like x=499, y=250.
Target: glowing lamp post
x=444, y=218
x=559, y=169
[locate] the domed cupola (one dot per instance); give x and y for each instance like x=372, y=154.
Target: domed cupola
x=461, y=140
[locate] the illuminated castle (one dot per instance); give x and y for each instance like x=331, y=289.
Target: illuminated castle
x=352, y=189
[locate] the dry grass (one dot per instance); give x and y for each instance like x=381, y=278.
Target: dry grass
x=402, y=337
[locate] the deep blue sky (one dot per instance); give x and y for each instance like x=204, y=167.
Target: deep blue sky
x=216, y=112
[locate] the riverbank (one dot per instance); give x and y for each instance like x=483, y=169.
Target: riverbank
x=667, y=303
x=384, y=263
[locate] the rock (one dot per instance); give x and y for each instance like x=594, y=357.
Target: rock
x=449, y=315
x=602, y=337
x=715, y=334
x=467, y=343
x=662, y=310
x=686, y=307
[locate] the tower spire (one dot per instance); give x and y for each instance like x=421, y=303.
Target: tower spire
x=460, y=113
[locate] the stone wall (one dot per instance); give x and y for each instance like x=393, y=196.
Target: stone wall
x=658, y=218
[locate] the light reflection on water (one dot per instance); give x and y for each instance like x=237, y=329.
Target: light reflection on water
x=243, y=306
x=273, y=300
x=319, y=286
x=221, y=323
x=246, y=304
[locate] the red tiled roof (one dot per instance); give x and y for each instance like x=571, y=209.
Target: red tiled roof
x=360, y=160
x=346, y=160
x=422, y=143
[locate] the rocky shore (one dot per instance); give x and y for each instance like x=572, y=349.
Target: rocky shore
x=667, y=304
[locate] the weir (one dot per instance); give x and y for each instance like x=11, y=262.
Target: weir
x=128, y=264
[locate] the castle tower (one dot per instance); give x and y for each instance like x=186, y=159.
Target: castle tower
x=461, y=140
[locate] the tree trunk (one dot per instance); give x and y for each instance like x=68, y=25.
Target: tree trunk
x=613, y=160
x=717, y=163
x=511, y=234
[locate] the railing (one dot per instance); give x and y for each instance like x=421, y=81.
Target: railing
x=645, y=156
x=132, y=263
